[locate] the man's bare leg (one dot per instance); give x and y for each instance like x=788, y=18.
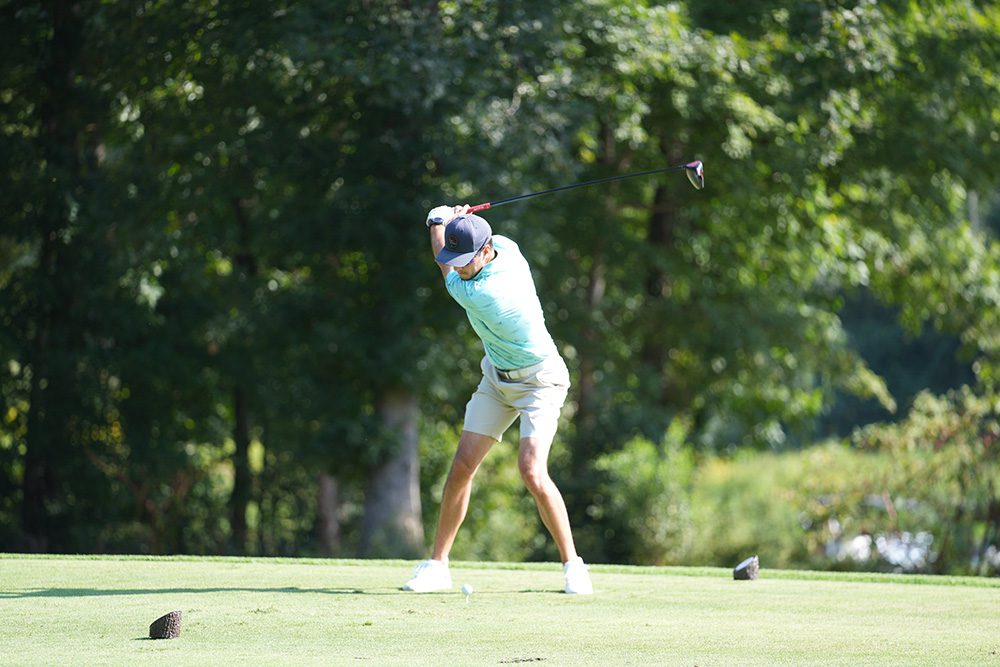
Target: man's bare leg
x=532, y=460
x=472, y=449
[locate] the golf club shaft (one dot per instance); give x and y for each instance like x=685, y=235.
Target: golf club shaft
x=493, y=204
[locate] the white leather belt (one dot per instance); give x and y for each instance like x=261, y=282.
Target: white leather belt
x=519, y=373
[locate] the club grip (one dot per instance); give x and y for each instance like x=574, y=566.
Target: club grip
x=479, y=207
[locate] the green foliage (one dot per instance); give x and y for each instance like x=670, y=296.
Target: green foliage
x=746, y=507
x=682, y=509
x=646, y=517
x=947, y=472
x=928, y=361
x=917, y=496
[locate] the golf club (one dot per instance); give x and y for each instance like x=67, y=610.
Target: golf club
x=695, y=172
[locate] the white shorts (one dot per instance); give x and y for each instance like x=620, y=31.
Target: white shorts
x=538, y=398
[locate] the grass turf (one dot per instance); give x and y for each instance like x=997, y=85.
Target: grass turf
x=97, y=610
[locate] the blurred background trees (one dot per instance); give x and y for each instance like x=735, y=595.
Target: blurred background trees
x=223, y=331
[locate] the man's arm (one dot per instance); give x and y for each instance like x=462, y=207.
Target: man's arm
x=437, y=243
x=436, y=222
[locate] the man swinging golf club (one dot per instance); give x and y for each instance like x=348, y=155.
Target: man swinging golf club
x=523, y=375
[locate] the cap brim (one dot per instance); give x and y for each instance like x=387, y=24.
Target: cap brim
x=455, y=259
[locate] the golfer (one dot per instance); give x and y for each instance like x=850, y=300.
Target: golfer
x=523, y=375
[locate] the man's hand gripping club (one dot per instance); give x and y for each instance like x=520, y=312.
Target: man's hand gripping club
x=437, y=219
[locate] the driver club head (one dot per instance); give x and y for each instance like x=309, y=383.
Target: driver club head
x=696, y=174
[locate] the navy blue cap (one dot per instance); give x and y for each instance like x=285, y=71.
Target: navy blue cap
x=463, y=238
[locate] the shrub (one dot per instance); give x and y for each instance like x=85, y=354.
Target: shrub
x=945, y=480
x=648, y=508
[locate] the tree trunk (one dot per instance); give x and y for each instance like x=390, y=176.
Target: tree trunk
x=47, y=392
x=327, y=508
x=240, y=497
x=36, y=481
x=392, y=525
x=586, y=414
x=585, y=446
x=246, y=263
x=661, y=236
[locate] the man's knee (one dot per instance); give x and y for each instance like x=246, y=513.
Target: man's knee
x=463, y=468
x=471, y=450
x=534, y=473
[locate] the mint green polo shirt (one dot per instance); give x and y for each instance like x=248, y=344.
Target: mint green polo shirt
x=504, y=310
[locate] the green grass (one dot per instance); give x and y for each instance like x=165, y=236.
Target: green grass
x=97, y=611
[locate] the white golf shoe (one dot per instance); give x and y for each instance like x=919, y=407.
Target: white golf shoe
x=577, y=577
x=430, y=575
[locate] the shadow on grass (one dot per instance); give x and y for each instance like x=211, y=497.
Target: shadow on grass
x=104, y=592
x=99, y=592
x=553, y=591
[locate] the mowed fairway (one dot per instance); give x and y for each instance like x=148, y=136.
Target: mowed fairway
x=97, y=611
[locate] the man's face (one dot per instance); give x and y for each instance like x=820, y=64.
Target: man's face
x=479, y=260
